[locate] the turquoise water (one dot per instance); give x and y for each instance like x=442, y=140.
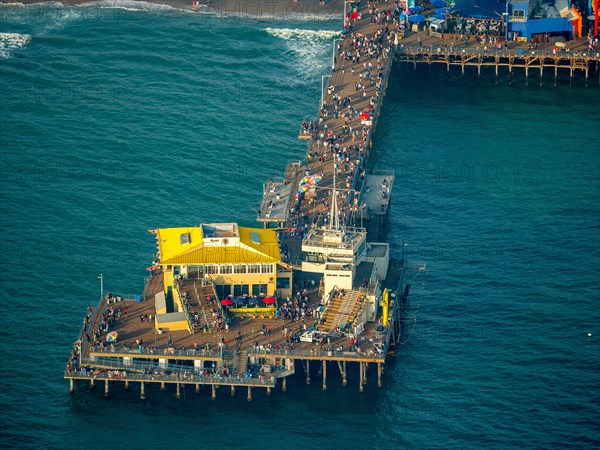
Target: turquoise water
x=114, y=121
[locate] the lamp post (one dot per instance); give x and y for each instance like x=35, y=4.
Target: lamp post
x=323, y=89
x=101, y=278
x=505, y=14
x=333, y=55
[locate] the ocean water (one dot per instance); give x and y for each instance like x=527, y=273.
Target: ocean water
x=117, y=118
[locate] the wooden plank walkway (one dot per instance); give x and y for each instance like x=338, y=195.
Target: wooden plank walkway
x=341, y=145
x=356, y=85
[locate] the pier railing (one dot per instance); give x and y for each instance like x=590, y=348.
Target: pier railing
x=457, y=50
x=253, y=352
x=94, y=322
x=190, y=378
x=158, y=352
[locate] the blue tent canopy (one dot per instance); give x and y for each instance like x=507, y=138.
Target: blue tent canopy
x=416, y=18
x=481, y=9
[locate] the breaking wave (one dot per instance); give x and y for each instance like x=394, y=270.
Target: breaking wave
x=12, y=41
x=296, y=33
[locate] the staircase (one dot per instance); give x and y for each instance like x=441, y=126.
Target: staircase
x=237, y=363
x=340, y=310
x=201, y=295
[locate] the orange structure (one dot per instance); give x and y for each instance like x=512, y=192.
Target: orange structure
x=577, y=22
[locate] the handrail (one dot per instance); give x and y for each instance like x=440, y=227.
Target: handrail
x=440, y=49
x=253, y=352
x=158, y=351
x=223, y=312
x=184, y=307
x=201, y=304
x=94, y=322
x=189, y=379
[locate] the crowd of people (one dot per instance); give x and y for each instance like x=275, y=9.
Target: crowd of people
x=340, y=134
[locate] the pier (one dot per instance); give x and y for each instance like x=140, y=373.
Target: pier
x=423, y=49
x=247, y=308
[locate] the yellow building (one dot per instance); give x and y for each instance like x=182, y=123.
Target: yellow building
x=239, y=261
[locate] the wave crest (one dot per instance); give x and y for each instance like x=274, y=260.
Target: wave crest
x=129, y=5
x=12, y=41
x=296, y=33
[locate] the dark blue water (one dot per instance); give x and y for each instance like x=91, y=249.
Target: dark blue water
x=116, y=121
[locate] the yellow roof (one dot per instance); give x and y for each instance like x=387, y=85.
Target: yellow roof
x=246, y=250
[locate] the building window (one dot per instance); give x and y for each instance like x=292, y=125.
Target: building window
x=211, y=270
x=176, y=270
x=519, y=15
x=266, y=268
x=239, y=268
x=194, y=271
x=258, y=289
x=223, y=290
x=313, y=257
x=253, y=268
x=226, y=269
x=240, y=290
x=283, y=283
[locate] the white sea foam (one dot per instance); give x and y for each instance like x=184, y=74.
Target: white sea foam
x=310, y=48
x=129, y=5
x=12, y=41
x=306, y=35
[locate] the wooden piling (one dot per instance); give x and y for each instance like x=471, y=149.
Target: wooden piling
x=232, y=390
x=360, y=370
x=126, y=385
x=249, y=394
x=71, y=387
x=284, y=384
x=142, y=393
x=378, y=374
x=178, y=392
x=324, y=375
x=105, y=388
x=214, y=392
x=308, y=371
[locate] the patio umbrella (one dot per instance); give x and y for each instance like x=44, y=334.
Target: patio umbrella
x=269, y=300
x=416, y=9
x=238, y=301
x=112, y=336
x=226, y=302
x=438, y=3
x=416, y=18
x=252, y=301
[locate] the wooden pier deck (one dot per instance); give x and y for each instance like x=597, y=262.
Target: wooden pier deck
x=420, y=48
x=255, y=349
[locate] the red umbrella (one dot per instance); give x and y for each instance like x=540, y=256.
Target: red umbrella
x=226, y=302
x=269, y=300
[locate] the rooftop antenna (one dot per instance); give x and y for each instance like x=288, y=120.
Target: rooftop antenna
x=333, y=221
